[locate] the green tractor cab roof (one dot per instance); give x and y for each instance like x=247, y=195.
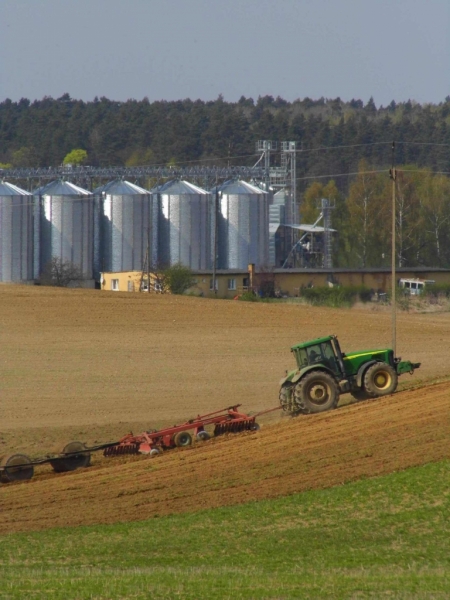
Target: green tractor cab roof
x=313, y=342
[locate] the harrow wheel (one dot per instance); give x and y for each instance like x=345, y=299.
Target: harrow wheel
x=380, y=379
x=316, y=392
x=155, y=452
x=182, y=439
x=76, y=457
x=16, y=467
x=203, y=436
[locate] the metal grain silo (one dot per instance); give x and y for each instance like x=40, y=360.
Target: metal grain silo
x=243, y=225
x=16, y=233
x=66, y=225
x=185, y=225
x=127, y=228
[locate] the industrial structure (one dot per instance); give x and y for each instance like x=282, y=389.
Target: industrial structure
x=64, y=220
x=125, y=227
x=185, y=222
x=130, y=218
x=16, y=234
x=243, y=225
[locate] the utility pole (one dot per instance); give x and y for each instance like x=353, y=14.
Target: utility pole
x=148, y=259
x=216, y=228
x=393, y=176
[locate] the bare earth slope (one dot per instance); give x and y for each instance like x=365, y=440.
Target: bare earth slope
x=89, y=365
x=366, y=439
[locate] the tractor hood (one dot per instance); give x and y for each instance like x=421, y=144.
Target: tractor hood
x=364, y=353
x=354, y=360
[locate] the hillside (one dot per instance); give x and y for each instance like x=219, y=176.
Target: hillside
x=372, y=438
x=91, y=365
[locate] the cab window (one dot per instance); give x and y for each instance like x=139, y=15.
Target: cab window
x=328, y=356
x=314, y=354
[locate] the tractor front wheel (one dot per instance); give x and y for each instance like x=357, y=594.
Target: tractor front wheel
x=286, y=398
x=380, y=379
x=316, y=392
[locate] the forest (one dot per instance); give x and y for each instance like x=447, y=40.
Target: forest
x=344, y=153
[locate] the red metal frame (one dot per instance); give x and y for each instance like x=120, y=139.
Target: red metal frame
x=225, y=420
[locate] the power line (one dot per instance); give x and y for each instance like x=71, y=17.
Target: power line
x=423, y=144
x=342, y=146
x=342, y=174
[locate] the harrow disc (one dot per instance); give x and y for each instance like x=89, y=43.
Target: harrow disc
x=236, y=426
x=76, y=457
x=16, y=467
x=122, y=449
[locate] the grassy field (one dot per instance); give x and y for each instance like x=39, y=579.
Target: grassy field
x=386, y=537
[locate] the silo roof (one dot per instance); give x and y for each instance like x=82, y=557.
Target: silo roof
x=60, y=187
x=119, y=187
x=178, y=187
x=237, y=186
x=8, y=189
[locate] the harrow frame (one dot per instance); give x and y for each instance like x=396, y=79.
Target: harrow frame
x=75, y=455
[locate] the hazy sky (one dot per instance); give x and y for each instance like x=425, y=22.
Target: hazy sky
x=174, y=49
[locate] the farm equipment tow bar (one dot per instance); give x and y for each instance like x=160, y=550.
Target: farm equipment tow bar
x=75, y=455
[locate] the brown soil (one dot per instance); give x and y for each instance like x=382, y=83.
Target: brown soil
x=92, y=365
x=371, y=438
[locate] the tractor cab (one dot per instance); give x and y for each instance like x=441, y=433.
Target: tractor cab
x=322, y=351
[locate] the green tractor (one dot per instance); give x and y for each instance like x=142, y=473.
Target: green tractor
x=324, y=372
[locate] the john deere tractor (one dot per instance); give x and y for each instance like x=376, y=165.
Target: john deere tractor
x=324, y=372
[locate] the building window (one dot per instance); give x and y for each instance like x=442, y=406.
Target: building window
x=211, y=284
x=232, y=284
x=131, y=286
x=245, y=282
x=115, y=285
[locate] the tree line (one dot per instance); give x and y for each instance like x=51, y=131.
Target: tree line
x=43, y=132
x=363, y=220
x=333, y=138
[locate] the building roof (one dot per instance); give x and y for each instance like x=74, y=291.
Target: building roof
x=238, y=187
x=119, y=187
x=309, y=228
x=8, y=189
x=178, y=187
x=59, y=187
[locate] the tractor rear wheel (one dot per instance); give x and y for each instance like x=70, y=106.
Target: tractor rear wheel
x=380, y=379
x=316, y=392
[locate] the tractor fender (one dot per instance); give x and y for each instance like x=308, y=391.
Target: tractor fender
x=318, y=367
x=362, y=369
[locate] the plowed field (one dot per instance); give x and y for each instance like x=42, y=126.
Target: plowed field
x=371, y=438
x=92, y=365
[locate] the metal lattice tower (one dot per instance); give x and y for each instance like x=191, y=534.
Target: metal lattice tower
x=284, y=176
x=266, y=146
x=326, y=207
x=289, y=165
x=281, y=179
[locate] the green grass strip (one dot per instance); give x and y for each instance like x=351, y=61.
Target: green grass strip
x=387, y=537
